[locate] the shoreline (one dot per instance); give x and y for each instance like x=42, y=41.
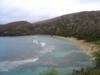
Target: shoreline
x=87, y=47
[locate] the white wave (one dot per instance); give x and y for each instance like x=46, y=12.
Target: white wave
x=42, y=44
x=36, y=42
x=6, y=65
x=34, y=60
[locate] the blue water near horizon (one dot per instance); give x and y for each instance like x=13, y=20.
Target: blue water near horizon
x=31, y=55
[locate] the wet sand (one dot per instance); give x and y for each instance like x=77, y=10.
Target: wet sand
x=88, y=48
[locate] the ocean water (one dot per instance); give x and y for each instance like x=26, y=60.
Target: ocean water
x=31, y=55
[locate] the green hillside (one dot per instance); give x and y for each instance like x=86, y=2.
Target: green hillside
x=84, y=25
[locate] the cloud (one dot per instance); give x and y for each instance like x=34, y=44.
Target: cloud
x=35, y=10
x=88, y=1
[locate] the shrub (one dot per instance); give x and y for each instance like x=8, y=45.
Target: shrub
x=49, y=72
x=97, y=58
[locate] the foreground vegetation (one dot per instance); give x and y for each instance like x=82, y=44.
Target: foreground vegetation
x=50, y=72
x=88, y=71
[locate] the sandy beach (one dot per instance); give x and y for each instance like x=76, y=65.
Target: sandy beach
x=87, y=47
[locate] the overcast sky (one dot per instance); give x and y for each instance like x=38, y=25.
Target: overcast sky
x=36, y=10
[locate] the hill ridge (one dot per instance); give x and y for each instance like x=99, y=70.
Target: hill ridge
x=81, y=24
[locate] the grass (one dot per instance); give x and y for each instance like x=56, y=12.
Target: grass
x=50, y=72
x=97, y=42
x=97, y=58
x=87, y=71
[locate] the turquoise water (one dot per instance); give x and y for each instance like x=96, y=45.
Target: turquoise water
x=31, y=55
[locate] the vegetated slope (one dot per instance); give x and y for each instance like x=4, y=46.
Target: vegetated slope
x=84, y=25
x=16, y=28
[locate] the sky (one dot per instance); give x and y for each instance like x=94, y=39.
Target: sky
x=37, y=10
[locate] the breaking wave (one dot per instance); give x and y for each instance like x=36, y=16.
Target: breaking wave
x=37, y=42
x=6, y=65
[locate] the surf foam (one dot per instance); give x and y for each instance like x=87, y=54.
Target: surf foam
x=6, y=65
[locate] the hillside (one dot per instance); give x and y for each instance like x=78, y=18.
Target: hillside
x=83, y=25
x=16, y=28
